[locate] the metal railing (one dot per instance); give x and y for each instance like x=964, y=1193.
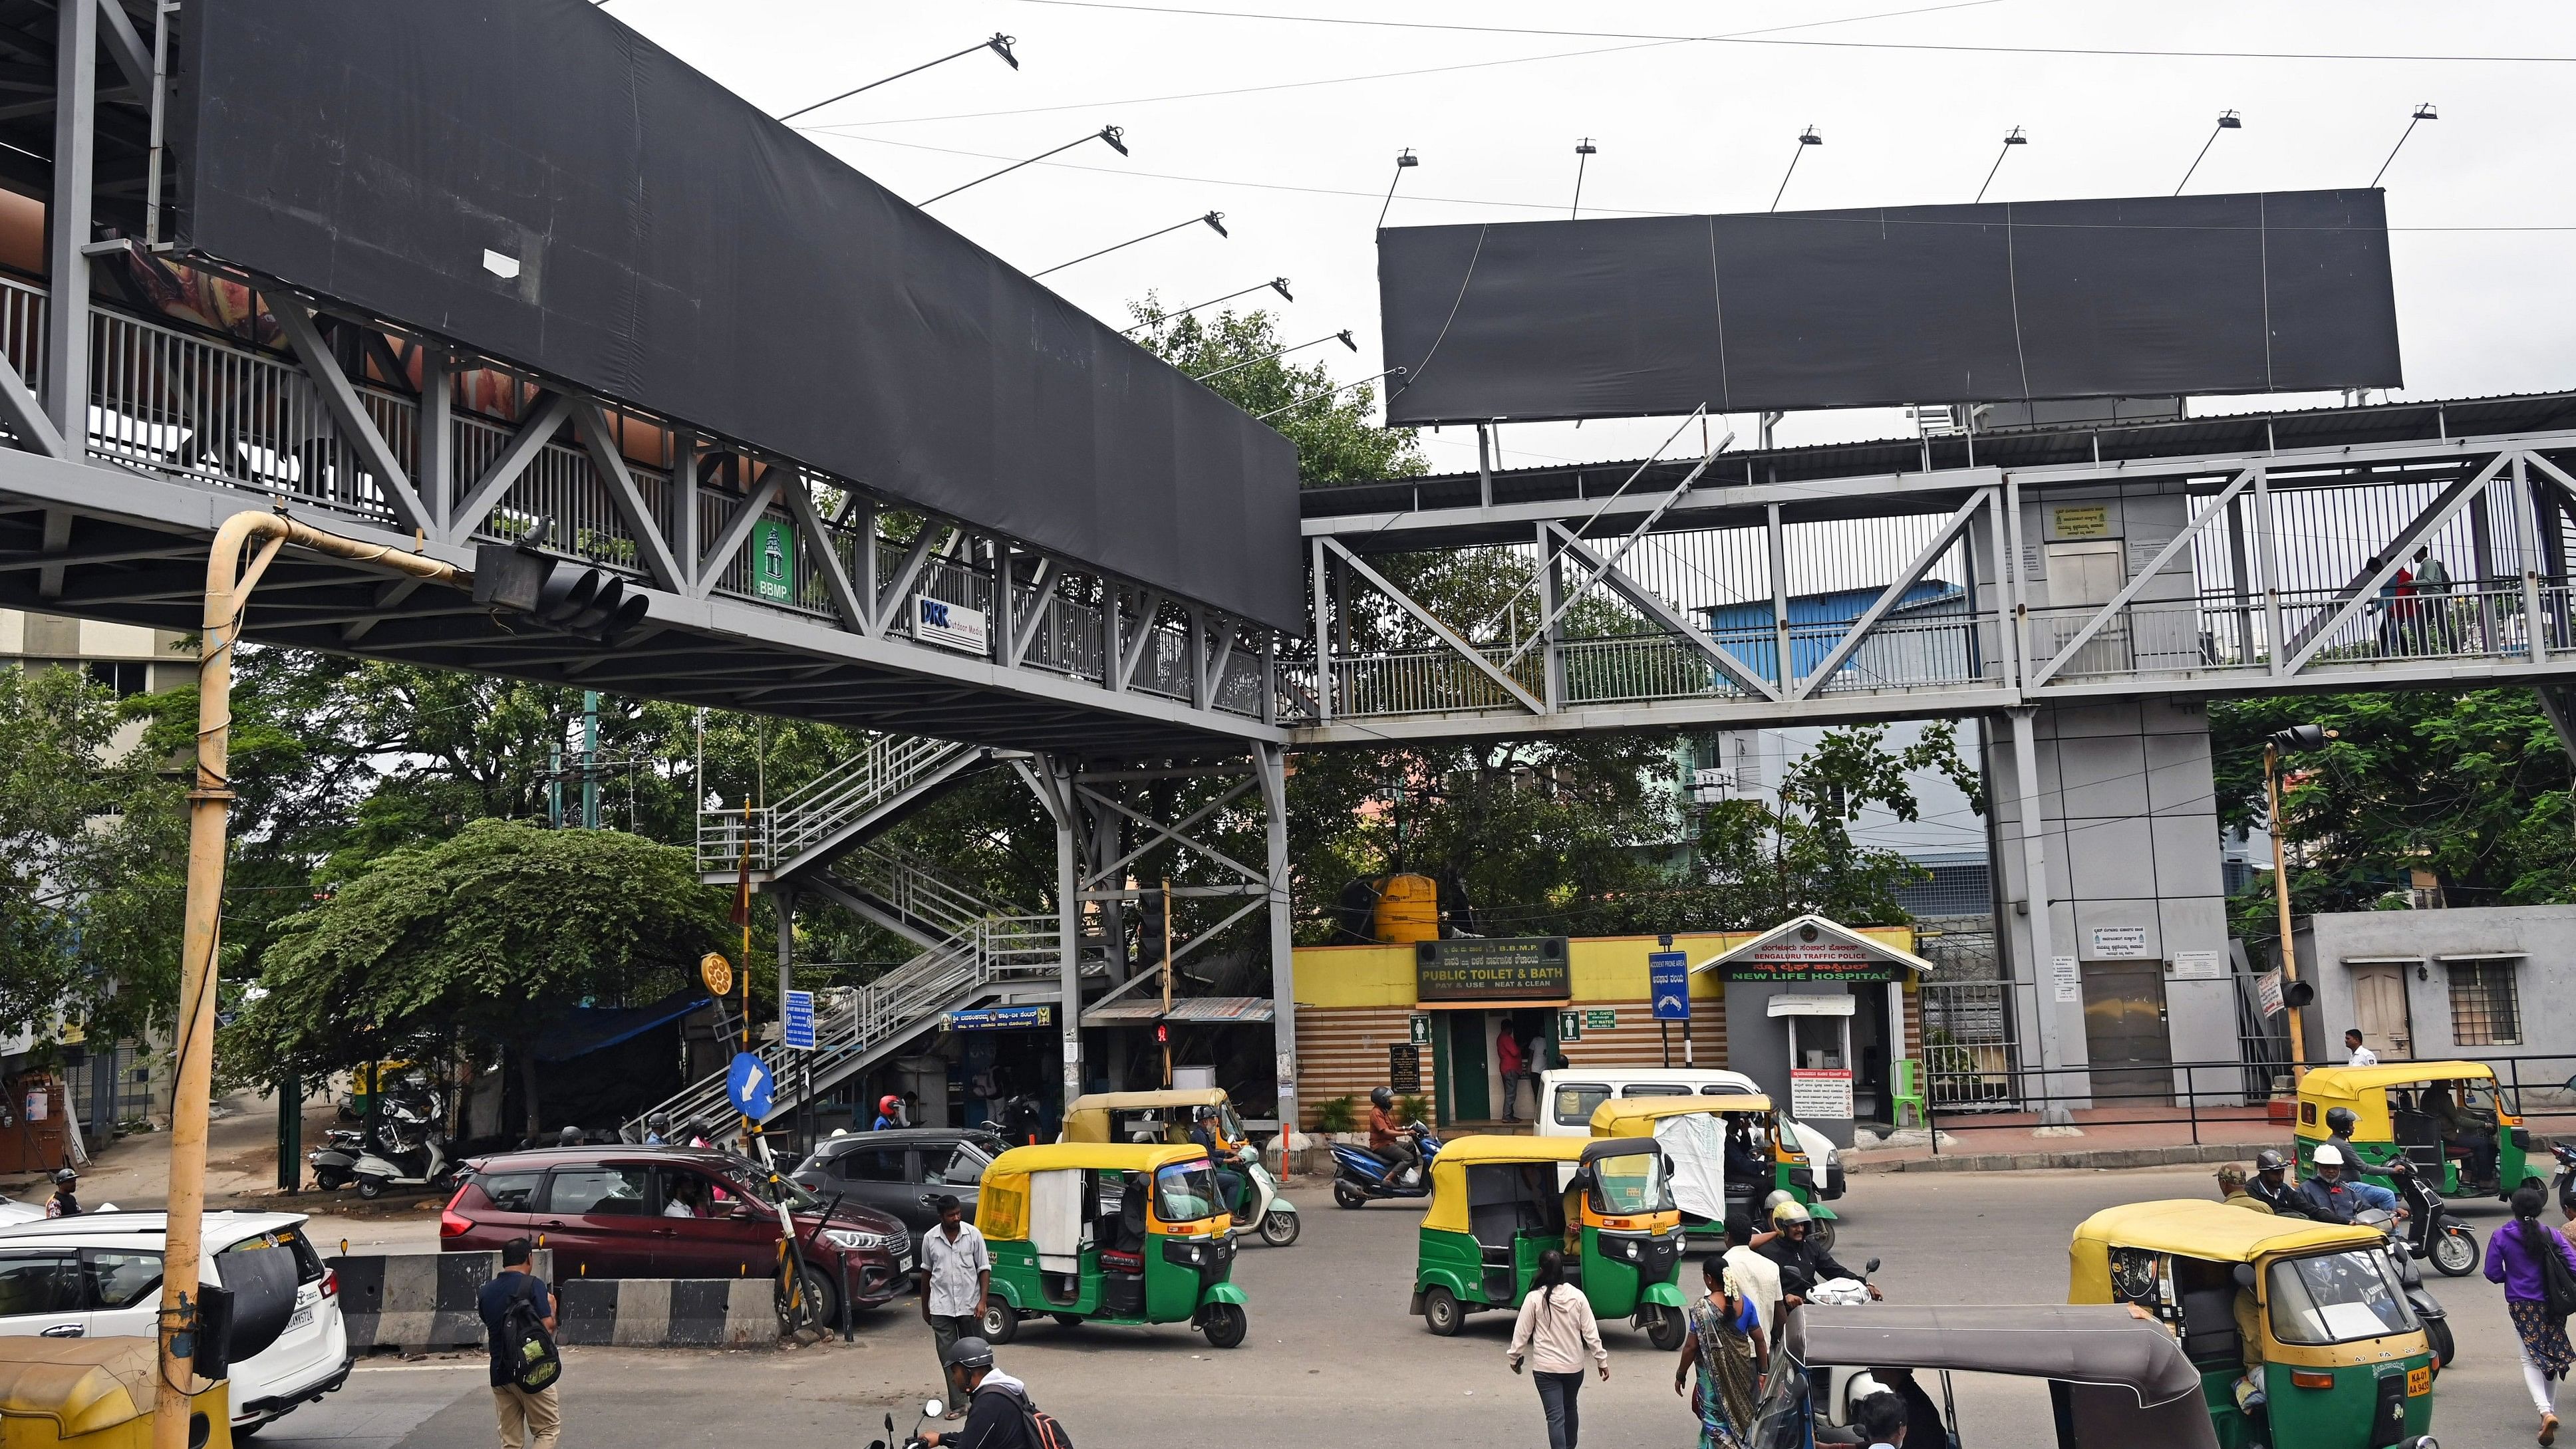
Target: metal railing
x=820, y=810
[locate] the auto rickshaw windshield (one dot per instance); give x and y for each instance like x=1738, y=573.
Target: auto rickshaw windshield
x=1631, y=1182
x=1185, y=1192
x=2337, y=1298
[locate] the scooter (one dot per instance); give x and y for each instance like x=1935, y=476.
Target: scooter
x=1360, y=1175
x=1273, y=1217
x=930, y=1409
x=2566, y=1176
x=2431, y=1231
x=2402, y=1255
x=377, y=1171
x=335, y=1162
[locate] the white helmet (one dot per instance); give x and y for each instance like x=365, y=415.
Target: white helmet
x=2329, y=1155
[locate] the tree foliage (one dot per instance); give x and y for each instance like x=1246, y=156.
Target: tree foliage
x=1336, y=441
x=475, y=941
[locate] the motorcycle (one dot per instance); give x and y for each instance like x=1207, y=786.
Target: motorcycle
x=2431, y=1231
x=408, y=1151
x=2566, y=1177
x=2402, y=1255
x=930, y=1409
x=1360, y=1175
x=1844, y=1292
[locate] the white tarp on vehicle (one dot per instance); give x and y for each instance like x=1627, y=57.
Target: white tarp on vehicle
x=1696, y=1142
x=1056, y=1226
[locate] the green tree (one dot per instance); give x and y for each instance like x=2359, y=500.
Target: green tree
x=1336, y=441
x=2470, y=786
x=467, y=943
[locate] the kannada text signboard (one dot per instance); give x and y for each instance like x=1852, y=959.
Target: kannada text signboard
x=1511, y=968
x=1801, y=956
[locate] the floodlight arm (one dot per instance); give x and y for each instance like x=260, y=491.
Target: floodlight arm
x=1276, y=284
x=1215, y=220
x=1806, y=138
x=1343, y=337
x=1404, y=161
x=1110, y=134
x=999, y=44
x=2422, y=114
x=2014, y=138
x=1319, y=397
x=2227, y=121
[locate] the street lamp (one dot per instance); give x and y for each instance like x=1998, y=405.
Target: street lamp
x=1276, y=284
x=2424, y=112
x=1584, y=151
x=2227, y=121
x=1110, y=134
x=2012, y=138
x=1214, y=220
x=1405, y=161
x=999, y=44
x=1806, y=138
x=2296, y=737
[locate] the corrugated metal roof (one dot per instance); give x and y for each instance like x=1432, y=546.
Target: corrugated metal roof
x=1187, y=1008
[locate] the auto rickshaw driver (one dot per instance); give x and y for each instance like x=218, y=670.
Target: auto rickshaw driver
x=2465, y=1127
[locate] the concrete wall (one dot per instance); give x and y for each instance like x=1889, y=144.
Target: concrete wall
x=2128, y=817
x=2545, y=936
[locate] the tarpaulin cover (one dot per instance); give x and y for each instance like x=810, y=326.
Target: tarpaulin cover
x=678, y=250
x=1697, y=1146
x=577, y=1031
x=2139, y=297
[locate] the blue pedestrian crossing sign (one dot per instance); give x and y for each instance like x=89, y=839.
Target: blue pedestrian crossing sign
x=799, y=1020
x=750, y=1085
x=1668, y=973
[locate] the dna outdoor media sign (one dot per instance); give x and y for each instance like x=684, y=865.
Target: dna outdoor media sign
x=1509, y=968
x=950, y=626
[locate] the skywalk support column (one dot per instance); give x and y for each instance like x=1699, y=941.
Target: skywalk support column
x=1271, y=762
x=1068, y=915
x=2047, y=1012
x=67, y=220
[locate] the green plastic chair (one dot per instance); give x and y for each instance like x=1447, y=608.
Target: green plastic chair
x=1908, y=1093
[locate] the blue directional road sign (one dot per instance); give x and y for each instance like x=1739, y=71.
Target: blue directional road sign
x=749, y=1085
x=1669, y=971
x=800, y=1020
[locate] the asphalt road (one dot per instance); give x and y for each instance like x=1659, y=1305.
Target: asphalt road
x=1331, y=1356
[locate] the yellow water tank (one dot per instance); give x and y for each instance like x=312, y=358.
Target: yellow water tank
x=1408, y=910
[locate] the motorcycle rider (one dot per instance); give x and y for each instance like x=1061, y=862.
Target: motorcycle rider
x=1803, y=1262
x=889, y=1112
x=2329, y=1197
x=657, y=1129
x=1390, y=1140
x=2271, y=1185
x=2231, y=1190
x=2339, y=1124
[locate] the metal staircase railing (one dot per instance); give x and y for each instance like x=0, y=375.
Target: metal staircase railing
x=913, y=892
x=854, y=1026
x=818, y=813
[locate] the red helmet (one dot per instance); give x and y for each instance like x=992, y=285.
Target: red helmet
x=888, y=1103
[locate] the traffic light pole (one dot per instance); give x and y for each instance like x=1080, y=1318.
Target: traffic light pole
x=228, y=589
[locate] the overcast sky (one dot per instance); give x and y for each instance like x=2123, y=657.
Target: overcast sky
x=1298, y=147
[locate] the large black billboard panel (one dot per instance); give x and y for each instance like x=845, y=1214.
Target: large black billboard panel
x=2272, y=292
x=680, y=251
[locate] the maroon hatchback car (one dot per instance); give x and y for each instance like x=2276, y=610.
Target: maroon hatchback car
x=672, y=1212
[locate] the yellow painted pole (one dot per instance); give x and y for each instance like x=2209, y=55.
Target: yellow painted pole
x=1165, y=1026
x=2281, y=893
x=228, y=588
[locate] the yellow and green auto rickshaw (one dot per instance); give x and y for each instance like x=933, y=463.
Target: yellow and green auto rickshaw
x=1166, y=1116
x=2440, y=1115
x=1498, y=1202
x=2301, y=1331
x=1695, y=1133
x=97, y=1393
x=1109, y=1232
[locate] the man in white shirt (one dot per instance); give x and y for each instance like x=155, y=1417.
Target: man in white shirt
x=2362, y=1056
x=956, y=1273
x=1755, y=1277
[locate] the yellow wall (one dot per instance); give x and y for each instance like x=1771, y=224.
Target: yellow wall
x=1604, y=968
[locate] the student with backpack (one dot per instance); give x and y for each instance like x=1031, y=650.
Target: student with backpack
x=519, y=1312
x=1000, y=1415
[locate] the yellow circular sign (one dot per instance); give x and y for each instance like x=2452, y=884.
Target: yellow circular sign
x=717, y=972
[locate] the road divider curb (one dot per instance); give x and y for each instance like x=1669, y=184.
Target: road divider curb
x=420, y=1302
x=2186, y=1154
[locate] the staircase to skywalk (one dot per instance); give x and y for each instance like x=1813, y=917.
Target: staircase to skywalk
x=975, y=951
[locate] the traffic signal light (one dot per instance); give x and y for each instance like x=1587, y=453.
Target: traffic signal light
x=560, y=593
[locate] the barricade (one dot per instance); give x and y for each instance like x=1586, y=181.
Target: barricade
x=420, y=1302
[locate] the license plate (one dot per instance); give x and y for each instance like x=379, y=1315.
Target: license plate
x=2419, y=1382
x=303, y=1319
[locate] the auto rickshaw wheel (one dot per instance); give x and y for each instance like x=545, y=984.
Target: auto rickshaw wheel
x=1224, y=1324
x=1440, y=1312
x=1001, y=1322
x=1345, y=1195
x=2437, y=1335
x=1666, y=1329
x=2455, y=1252
x=1279, y=1229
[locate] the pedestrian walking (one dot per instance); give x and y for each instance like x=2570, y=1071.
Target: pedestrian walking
x=530, y=1418
x=956, y=1273
x=2523, y=1256
x=1725, y=1345
x=1508, y=1058
x=2362, y=1056
x=65, y=1203
x=1556, y=1334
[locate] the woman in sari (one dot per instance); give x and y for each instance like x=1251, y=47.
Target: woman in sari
x=1726, y=1345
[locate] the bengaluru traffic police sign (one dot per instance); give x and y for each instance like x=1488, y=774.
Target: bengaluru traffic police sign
x=749, y=1086
x=1669, y=972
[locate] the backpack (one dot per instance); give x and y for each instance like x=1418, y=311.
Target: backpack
x=526, y=1347
x=2557, y=1284
x=1043, y=1431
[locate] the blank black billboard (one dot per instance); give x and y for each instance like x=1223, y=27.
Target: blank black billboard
x=678, y=250
x=2136, y=297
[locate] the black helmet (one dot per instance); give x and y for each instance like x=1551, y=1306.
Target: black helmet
x=569, y=1137
x=2271, y=1160
x=2341, y=1120
x=1381, y=1098
x=970, y=1353
x=65, y=1176
x=658, y=1122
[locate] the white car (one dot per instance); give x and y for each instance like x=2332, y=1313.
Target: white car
x=99, y=1275
x=1567, y=1096
x=13, y=1212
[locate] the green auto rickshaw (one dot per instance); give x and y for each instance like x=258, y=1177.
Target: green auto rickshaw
x=1109, y=1232
x=1497, y=1203
x=1694, y=1132
x=2437, y=1114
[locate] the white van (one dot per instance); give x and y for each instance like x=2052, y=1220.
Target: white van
x=1568, y=1095
x=99, y=1276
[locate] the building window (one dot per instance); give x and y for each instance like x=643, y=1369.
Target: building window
x=124, y=676
x=2484, y=1011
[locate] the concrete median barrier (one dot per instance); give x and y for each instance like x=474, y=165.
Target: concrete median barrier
x=420, y=1302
